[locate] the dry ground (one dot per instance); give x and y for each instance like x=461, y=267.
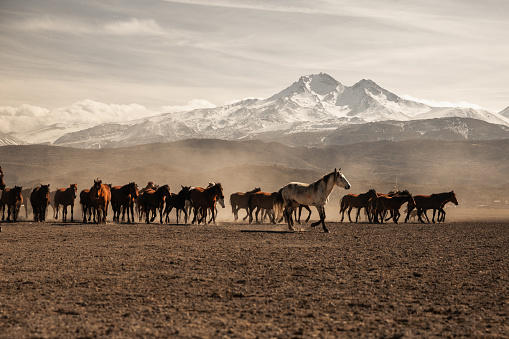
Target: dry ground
x=248, y=281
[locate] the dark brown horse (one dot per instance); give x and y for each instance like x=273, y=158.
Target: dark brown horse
x=100, y=195
x=392, y=204
x=86, y=205
x=65, y=197
x=177, y=201
x=358, y=201
x=261, y=201
x=153, y=200
x=122, y=198
x=40, y=200
x=203, y=200
x=240, y=201
x=2, y=183
x=436, y=202
x=11, y=197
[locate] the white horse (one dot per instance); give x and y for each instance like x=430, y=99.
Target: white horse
x=315, y=194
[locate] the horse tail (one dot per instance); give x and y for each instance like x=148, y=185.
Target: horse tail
x=342, y=204
x=279, y=205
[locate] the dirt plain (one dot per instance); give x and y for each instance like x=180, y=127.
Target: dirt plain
x=237, y=280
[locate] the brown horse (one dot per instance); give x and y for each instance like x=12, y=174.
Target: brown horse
x=11, y=197
x=66, y=197
x=392, y=204
x=177, y=201
x=239, y=201
x=261, y=201
x=358, y=201
x=435, y=202
x=86, y=205
x=100, y=195
x=150, y=186
x=122, y=198
x=203, y=200
x=153, y=200
x=2, y=183
x=40, y=200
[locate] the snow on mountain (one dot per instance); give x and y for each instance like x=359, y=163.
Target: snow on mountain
x=314, y=103
x=459, y=112
x=6, y=139
x=504, y=112
x=50, y=133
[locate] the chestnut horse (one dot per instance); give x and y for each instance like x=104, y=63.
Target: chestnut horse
x=315, y=194
x=86, y=205
x=152, y=200
x=65, y=197
x=11, y=197
x=261, y=201
x=358, y=201
x=203, y=200
x=240, y=200
x=123, y=198
x=40, y=200
x=435, y=201
x=177, y=201
x=100, y=195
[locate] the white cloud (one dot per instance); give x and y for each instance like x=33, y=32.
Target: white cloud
x=193, y=104
x=434, y=103
x=134, y=27
x=27, y=118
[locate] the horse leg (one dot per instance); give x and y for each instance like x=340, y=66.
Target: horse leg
x=247, y=215
x=349, y=210
x=358, y=213
x=433, y=219
x=316, y=223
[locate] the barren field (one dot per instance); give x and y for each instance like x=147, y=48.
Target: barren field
x=254, y=281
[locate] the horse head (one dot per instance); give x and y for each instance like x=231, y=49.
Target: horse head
x=218, y=190
x=17, y=192
x=44, y=189
x=74, y=188
x=372, y=193
x=256, y=189
x=453, y=198
x=184, y=191
x=340, y=180
x=133, y=190
x=96, y=188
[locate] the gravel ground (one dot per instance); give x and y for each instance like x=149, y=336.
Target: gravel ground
x=254, y=281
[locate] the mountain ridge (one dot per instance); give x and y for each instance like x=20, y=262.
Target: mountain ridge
x=313, y=104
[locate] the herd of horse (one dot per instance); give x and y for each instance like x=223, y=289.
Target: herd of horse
x=202, y=201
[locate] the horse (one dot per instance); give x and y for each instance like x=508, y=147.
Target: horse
x=150, y=186
x=25, y=194
x=86, y=205
x=239, y=200
x=65, y=197
x=391, y=203
x=151, y=200
x=261, y=201
x=40, y=199
x=122, y=198
x=2, y=183
x=315, y=194
x=177, y=201
x=435, y=201
x=204, y=199
x=358, y=201
x=100, y=196
x=11, y=197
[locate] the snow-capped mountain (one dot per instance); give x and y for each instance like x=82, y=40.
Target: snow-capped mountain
x=314, y=103
x=6, y=139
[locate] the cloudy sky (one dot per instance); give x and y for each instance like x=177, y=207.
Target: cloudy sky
x=138, y=57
